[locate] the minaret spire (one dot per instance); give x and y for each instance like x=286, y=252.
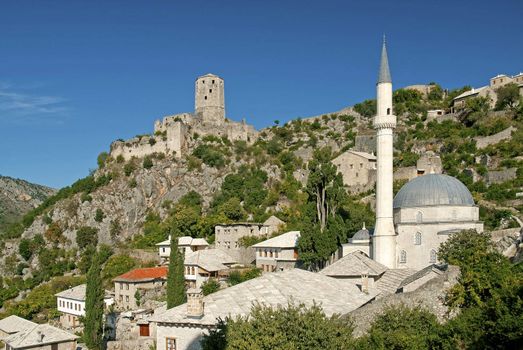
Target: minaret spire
x=384, y=74
x=384, y=237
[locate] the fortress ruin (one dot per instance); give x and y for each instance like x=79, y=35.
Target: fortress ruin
x=174, y=133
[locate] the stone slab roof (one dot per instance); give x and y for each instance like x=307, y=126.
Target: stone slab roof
x=210, y=259
x=286, y=240
x=185, y=240
x=13, y=324
x=391, y=279
x=78, y=293
x=273, y=221
x=354, y=264
x=273, y=289
x=470, y=93
x=143, y=275
x=438, y=269
x=39, y=335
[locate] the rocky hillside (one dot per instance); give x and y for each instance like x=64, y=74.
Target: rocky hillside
x=17, y=197
x=136, y=203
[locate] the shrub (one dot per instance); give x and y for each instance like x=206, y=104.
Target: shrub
x=99, y=215
x=102, y=158
x=209, y=155
x=210, y=286
x=25, y=248
x=86, y=236
x=147, y=163
x=128, y=168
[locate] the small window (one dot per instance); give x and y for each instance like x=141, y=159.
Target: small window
x=361, y=165
x=419, y=217
x=203, y=81
x=433, y=256
x=205, y=98
x=127, y=298
x=210, y=91
x=403, y=257
x=171, y=343
x=126, y=286
x=388, y=111
x=417, y=239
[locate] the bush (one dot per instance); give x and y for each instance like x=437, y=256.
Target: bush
x=128, y=168
x=209, y=155
x=99, y=215
x=25, y=248
x=236, y=277
x=147, y=163
x=86, y=236
x=210, y=286
x=102, y=159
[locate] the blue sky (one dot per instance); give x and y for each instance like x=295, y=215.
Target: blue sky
x=76, y=75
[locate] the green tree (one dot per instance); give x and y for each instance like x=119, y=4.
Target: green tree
x=507, y=96
x=102, y=158
x=400, y=327
x=86, y=236
x=94, y=307
x=175, y=276
x=282, y=328
x=210, y=286
x=25, y=248
x=147, y=163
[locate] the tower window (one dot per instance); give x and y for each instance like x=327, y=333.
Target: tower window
x=433, y=256
x=205, y=98
x=210, y=91
x=213, y=81
x=203, y=81
x=403, y=257
x=417, y=238
x=388, y=111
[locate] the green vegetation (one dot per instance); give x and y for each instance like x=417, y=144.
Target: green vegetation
x=290, y=327
x=94, y=307
x=210, y=286
x=147, y=162
x=99, y=215
x=175, y=276
x=236, y=276
x=367, y=108
x=86, y=236
x=508, y=97
x=115, y=266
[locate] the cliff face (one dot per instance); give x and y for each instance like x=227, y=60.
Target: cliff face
x=17, y=197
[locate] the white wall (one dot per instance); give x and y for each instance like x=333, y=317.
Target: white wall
x=187, y=338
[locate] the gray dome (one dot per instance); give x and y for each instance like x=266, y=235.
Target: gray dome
x=362, y=234
x=433, y=190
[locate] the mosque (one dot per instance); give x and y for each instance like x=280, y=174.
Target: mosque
x=410, y=226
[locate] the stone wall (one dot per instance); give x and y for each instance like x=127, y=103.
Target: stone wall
x=365, y=143
x=500, y=176
x=482, y=142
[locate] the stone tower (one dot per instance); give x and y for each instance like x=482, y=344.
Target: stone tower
x=384, y=240
x=209, y=102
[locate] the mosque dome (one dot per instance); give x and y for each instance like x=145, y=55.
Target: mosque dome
x=433, y=190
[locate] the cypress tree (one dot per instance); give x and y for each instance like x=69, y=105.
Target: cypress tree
x=175, y=276
x=94, y=306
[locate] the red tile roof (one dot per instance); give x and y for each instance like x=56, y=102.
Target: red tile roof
x=145, y=274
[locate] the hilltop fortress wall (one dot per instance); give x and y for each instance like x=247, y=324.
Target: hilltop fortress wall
x=173, y=134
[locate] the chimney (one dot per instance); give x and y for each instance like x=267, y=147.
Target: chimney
x=365, y=282
x=195, y=303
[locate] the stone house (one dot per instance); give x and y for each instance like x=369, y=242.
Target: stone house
x=428, y=163
x=41, y=337
x=71, y=305
x=182, y=327
x=186, y=245
x=358, y=169
x=278, y=253
x=489, y=91
x=139, y=280
x=227, y=236
x=13, y=324
x=204, y=264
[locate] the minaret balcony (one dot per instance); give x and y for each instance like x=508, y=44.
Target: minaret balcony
x=385, y=122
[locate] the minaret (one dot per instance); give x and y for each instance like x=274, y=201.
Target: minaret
x=384, y=239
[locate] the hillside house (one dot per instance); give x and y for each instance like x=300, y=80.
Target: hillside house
x=227, y=236
x=204, y=264
x=186, y=245
x=41, y=337
x=357, y=168
x=278, y=253
x=71, y=305
x=127, y=285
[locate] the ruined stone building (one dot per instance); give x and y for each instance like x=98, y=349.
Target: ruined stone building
x=174, y=133
x=358, y=170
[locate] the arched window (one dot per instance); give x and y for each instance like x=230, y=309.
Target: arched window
x=403, y=257
x=419, y=217
x=433, y=256
x=417, y=238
